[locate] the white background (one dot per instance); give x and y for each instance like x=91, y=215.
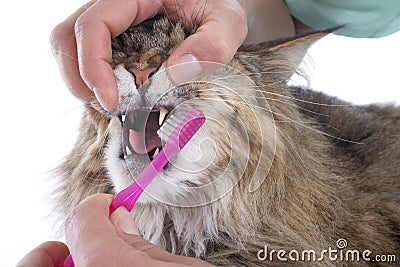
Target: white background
x=39, y=117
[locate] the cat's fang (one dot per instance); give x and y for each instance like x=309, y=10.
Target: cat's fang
x=123, y=117
x=128, y=151
x=156, y=152
x=163, y=113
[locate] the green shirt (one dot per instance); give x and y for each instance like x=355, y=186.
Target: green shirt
x=361, y=18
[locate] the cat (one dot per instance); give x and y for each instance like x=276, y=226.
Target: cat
x=273, y=166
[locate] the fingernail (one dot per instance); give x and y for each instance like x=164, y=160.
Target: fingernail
x=101, y=98
x=124, y=220
x=184, y=69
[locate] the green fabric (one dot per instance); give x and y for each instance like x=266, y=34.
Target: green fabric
x=361, y=18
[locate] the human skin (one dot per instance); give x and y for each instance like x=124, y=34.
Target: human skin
x=96, y=238
x=82, y=47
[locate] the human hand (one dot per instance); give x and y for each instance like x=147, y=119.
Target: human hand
x=97, y=239
x=82, y=46
x=48, y=254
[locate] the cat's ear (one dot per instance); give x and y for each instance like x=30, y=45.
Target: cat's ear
x=295, y=48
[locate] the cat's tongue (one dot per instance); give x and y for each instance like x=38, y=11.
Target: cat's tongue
x=143, y=126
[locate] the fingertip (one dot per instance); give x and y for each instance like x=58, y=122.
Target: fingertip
x=123, y=220
x=51, y=253
x=101, y=81
x=57, y=250
x=191, y=59
x=206, y=45
x=185, y=68
x=106, y=98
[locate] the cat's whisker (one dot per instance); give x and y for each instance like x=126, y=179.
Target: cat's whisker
x=179, y=11
x=308, y=102
x=191, y=22
x=293, y=149
x=315, y=123
x=317, y=131
x=200, y=18
x=73, y=109
x=281, y=115
x=286, y=96
x=326, y=125
x=65, y=54
x=252, y=88
x=165, y=13
x=196, y=15
x=272, y=99
x=253, y=74
x=297, y=107
x=255, y=87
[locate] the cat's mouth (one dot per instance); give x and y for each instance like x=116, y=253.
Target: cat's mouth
x=140, y=131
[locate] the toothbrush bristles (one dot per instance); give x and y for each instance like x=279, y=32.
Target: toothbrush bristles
x=181, y=130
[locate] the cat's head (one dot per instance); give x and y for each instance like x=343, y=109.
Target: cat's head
x=236, y=145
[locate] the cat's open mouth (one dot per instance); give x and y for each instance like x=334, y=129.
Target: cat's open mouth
x=140, y=131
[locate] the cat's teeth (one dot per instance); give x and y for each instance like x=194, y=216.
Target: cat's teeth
x=156, y=152
x=128, y=151
x=163, y=113
x=123, y=118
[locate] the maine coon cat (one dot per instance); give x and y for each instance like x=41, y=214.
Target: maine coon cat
x=277, y=166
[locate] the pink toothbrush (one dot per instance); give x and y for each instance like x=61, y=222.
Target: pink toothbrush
x=177, y=134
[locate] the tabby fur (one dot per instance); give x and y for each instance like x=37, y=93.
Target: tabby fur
x=335, y=170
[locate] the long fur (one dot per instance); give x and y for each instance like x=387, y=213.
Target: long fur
x=335, y=167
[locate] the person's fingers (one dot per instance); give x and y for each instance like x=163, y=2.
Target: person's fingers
x=48, y=254
x=83, y=69
x=89, y=232
x=93, y=239
x=223, y=30
x=94, y=29
x=127, y=230
x=63, y=46
x=124, y=223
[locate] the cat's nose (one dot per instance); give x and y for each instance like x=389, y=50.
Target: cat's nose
x=142, y=76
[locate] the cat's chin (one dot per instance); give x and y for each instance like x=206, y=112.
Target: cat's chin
x=182, y=179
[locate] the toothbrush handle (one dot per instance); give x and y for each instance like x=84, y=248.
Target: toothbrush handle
x=130, y=195
x=68, y=262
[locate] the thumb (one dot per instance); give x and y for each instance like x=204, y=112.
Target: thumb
x=127, y=230
x=124, y=223
x=216, y=40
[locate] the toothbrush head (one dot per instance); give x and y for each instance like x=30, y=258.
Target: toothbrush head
x=179, y=131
